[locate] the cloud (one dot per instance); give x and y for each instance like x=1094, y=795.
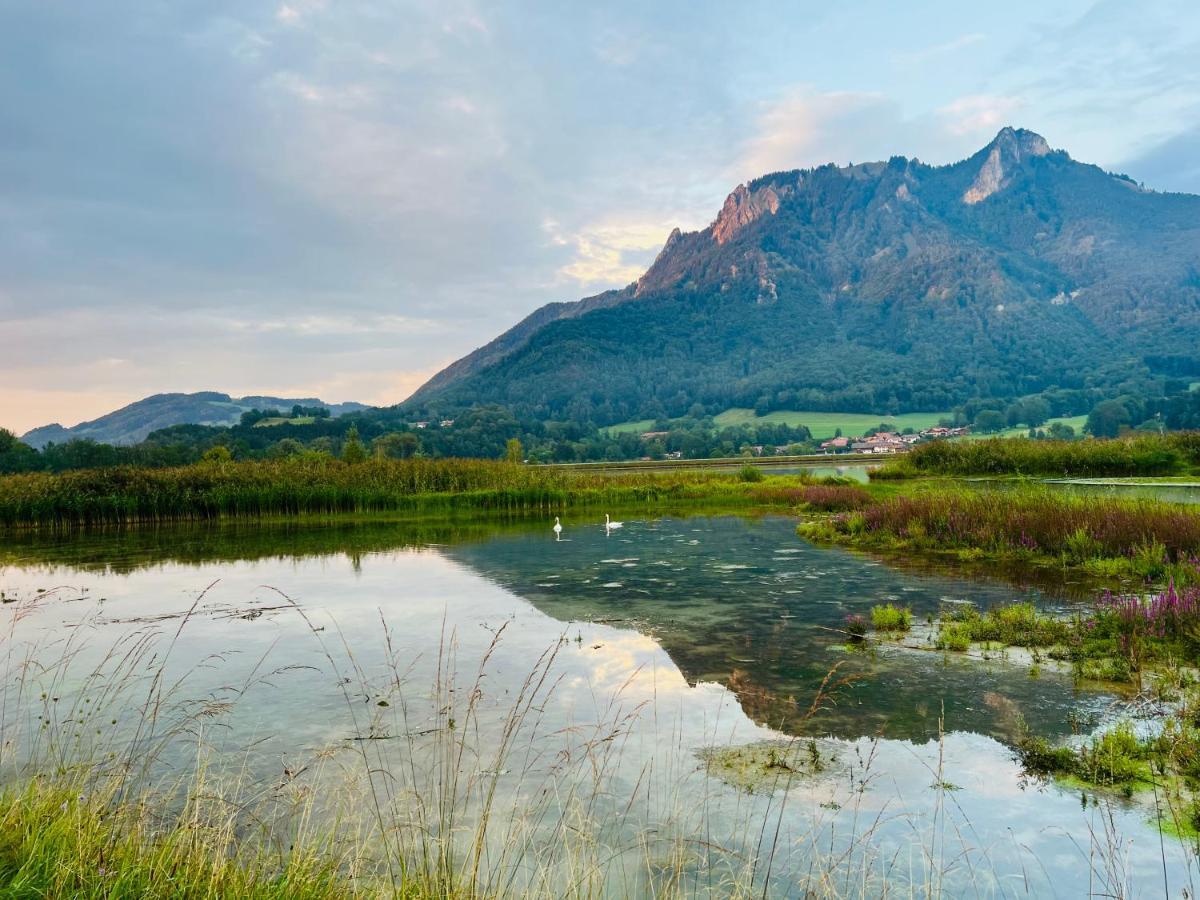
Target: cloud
x=257, y=192
x=979, y=114
x=610, y=255
x=962, y=42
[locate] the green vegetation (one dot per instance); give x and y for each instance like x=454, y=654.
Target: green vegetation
x=1050, y=428
x=1111, y=537
x=1012, y=625
x=63, y=839
x=824, y=425
x=889, y=617
x=272, y=421
x=1145, y=454
x=318, y=485
x=636, y=427
x=976, y=309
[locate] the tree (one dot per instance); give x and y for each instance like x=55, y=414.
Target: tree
x=353, y=451
x=990, y=420
x=513, y=451
x=217, y=455
x=16, y=456
x=396, y=445
x=1106, y=419
x=1060, y=432
x=1036, y=411
x=285, y=448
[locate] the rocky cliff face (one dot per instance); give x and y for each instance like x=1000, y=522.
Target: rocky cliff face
x=744, y=206
x=1005, y=155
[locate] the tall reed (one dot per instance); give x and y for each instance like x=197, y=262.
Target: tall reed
x=1029, y=520
x=327, y=486
x=1143, y=455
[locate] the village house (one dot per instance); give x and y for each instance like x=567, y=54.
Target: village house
x=836, y=445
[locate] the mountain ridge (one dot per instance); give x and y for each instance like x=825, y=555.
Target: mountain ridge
x=897, y=268
x=132, y=423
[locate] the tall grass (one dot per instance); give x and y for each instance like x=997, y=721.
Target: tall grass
x=1028, y=521
x=320, y=487
x=1143, y=455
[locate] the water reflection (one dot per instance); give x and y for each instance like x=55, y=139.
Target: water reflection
x=688, y=632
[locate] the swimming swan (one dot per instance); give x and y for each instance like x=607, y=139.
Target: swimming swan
x=609, y=524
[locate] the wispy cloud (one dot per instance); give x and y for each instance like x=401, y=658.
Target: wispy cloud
x=946, y=48
x=611, y=254
x=809, y=128
x=979, y=114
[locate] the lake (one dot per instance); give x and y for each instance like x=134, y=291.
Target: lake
x=648, y=698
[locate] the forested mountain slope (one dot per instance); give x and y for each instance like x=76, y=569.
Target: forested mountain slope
x=890, y=286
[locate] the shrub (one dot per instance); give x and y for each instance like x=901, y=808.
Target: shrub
x=750, y=473
x=889, y=617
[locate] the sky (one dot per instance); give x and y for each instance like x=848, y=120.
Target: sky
x=336, y=199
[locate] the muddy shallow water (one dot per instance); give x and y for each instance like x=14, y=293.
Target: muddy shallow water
x=662, y=641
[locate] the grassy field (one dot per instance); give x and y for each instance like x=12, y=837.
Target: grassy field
x=1076, y=422
x=636, y=427
x=280, y=420
x=824, y=424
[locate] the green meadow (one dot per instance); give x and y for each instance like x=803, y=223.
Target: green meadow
x=824, y=425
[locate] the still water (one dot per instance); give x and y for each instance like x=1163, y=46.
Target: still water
x=650, y=647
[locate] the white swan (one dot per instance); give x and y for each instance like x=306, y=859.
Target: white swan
x=609, y=524
x=557, y=529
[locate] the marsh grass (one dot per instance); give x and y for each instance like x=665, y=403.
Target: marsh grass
x=1114, y=537
x=322, y=487
x=1142, y=455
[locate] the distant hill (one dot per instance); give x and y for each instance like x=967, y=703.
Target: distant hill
x=131, y=424
x=883, y=287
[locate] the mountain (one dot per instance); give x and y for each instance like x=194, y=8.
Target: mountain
x=132, y=423
x=883, y=287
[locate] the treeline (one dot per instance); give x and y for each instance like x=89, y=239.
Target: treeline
x=485, y=432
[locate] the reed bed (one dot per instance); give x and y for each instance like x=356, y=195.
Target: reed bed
x=1143, y=455
x=324, y=487
x=1028, y=521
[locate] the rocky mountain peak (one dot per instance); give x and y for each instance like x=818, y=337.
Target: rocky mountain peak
x=1008, y=150
x=742, y=207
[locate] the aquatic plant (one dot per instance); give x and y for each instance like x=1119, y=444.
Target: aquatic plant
x=856, y=627
x=954, y=636
x=890, y=617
